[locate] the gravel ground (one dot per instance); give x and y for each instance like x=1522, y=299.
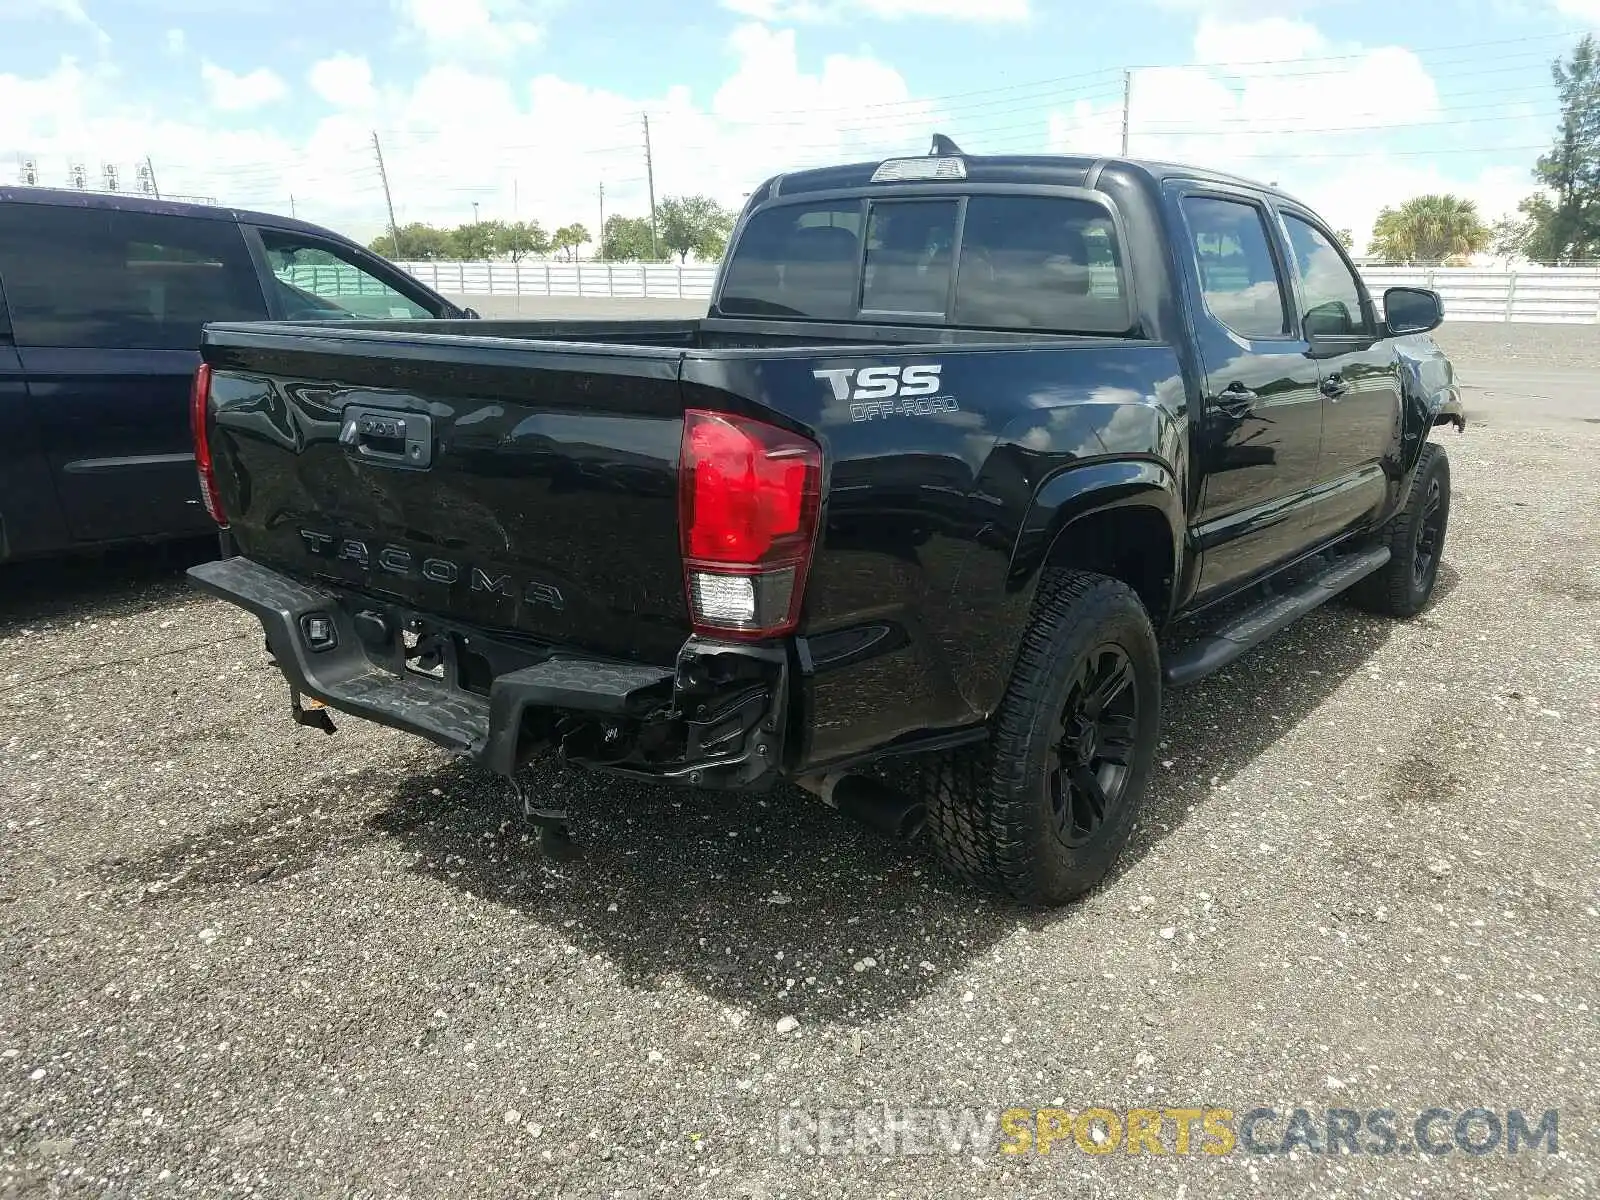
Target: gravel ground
x=238, y=957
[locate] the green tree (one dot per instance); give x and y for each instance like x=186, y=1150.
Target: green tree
x=417, y=241
x=1429, y=229
x=627, y=239
x=1564, y=218
x=1347, y=239
x=694, y=224
x=518, y=239
x=568, y=238
x=475, y=241
x=1508, y=238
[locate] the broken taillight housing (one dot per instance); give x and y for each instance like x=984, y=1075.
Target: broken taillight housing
x=748, y=495
x=199, y=402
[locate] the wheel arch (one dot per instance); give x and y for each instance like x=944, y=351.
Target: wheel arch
x=1120, y=518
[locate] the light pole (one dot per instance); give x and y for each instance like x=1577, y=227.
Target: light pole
x=474, y=212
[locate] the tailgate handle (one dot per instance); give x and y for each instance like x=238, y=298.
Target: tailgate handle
x=388, y=438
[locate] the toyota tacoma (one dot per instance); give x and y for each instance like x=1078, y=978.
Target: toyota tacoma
x=968, y=460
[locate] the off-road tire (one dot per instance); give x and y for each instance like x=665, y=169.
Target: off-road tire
x=1398, y=590
x=989, y=806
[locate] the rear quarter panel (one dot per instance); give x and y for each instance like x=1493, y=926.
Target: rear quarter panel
x=939, y=508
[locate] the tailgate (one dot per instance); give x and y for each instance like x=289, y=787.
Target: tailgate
x=526, y=487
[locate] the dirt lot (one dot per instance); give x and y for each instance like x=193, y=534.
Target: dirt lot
x=237, y=957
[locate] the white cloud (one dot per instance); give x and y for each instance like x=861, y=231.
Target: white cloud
x=783, y=12
x=461, y=132
x=1275, y=99
x=1583, y=10
x=71, y=11
x=1240, y=10
x=344, y=81
x=233, y=92
x=471, y=29
x=177, y=42
x=542, y=146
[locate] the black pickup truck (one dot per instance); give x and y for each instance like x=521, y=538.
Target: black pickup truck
x=961, y=441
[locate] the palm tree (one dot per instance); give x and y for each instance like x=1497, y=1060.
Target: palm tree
x=1429, y=229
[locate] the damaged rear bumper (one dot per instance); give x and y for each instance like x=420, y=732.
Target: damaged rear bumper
x=716, y=718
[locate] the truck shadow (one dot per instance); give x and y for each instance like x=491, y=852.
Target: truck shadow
x=769, y=903
x=1215, y=729
x=116, y=583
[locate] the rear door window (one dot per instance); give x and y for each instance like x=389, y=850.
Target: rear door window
x=798, y=260
x=111, y=279
x=321, y=281
x=1041, y=262
x=1238, y=272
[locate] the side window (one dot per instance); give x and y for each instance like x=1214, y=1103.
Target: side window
x=1040, y=262
x=909, y=256
x=1332, y=296
x=1237, y=273
x=112, y=279
x=797, y=260
x=317, y=282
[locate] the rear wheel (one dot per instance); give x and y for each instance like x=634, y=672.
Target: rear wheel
x=1042, y=810
x=1415, y=537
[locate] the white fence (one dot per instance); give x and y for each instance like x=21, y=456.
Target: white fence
x=634, y=281
x=1566, y=295
x=1538, y=295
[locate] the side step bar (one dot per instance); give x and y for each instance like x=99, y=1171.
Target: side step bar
x=1249, y=629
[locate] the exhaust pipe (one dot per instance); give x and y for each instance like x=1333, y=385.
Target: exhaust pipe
x=870, y=801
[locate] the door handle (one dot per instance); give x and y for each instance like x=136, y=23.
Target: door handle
x=1236, y=399
x=1333, y=386
x=388, y=438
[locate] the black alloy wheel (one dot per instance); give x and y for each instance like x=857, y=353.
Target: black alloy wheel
x=1093, y=755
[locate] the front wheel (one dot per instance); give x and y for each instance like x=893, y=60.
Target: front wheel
x=1042, y=810
x=1415, y=537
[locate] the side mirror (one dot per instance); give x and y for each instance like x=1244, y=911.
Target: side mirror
x=1412, y=310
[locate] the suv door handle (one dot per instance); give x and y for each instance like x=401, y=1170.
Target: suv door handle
x=1236, y=399
x=1334, y=386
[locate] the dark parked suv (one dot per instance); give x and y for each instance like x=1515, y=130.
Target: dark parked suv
x=101, y=302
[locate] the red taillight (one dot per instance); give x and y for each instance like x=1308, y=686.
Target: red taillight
x=748, y=497
x=199, y=402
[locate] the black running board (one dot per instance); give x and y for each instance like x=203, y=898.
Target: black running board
x=1249, y=629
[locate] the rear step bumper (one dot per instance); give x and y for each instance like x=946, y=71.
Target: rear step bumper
x=716, y=719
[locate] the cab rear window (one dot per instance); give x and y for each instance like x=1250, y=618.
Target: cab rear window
x=1049, y=263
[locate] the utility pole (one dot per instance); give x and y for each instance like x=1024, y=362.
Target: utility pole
x=292, y=211
x=474, y=212
x=1127, y=100
x=150, y=171
x=602, y=234
x=394, y=229
x=650, y=176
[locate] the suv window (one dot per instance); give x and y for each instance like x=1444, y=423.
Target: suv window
x=111, y=279
x=1332, y=296
x=1237, y=273
x=1040, y=262
x=799, y=260
x=321, y=282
